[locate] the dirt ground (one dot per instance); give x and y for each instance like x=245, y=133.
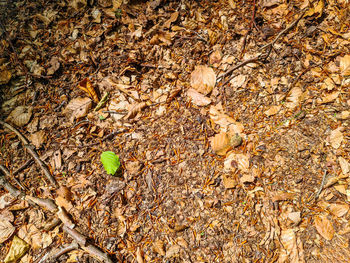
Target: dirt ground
x=230, y=119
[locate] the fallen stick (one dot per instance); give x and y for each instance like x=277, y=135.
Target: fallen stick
x=31, y=150
x=50, y=205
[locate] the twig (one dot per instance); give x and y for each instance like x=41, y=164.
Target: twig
x=50, y=205
x=56, y=253
x=7, y=173
x=285, y=30
x=32, y=152
x=249, y=30
x=322, y=185
x=108, y=136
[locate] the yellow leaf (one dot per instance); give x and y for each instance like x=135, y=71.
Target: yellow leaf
x=18, y=248
x=86, y=86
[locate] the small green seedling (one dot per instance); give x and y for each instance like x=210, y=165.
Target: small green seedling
x=110, y=162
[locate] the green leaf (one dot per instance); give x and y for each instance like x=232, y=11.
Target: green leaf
x=110, y=162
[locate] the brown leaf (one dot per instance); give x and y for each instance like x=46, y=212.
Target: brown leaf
x=324, y=227
x=172, y=19
x=78, y=108
x=86, y=86
x=339, y=209
x=203, y=79
x=5, y=77
x=135, y=109
x=38, y=138
x=336, y=138
x=272, y=110
x=220, y=143
x=198, y=98
x=158, y=247
x=6, y=230
x=345, y=65
x=20, y=116
x=281, y=196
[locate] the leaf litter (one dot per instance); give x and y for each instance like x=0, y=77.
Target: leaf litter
x=230, y=151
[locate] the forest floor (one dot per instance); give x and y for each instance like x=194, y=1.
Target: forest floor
x=230, y=119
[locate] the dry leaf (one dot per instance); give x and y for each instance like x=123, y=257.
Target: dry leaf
x=198, y=98
x=17, y=250
x=339, y=209
x=329, y=98
x=272, y=110
x=215, y=57
x=343, y=115
x=316, y=11
x=6, y=230
x=135, y=109
x=20, y=116
x=345, y=65
x=229, y=181
x=294, y=98
x=336, y=138
x=38, y=138
x=55, y=65
x=5, y=77
x=220, y=143
x=344, y=165
x=238, y=81
x=78, y=108
x=86, y=86
x=158, y=247
x=237, y=160
x=139, y=257
x=226, y=123
x=324, y=227
x=172, y=19
x=203, y=79
x=292, y=245
x=282, y=196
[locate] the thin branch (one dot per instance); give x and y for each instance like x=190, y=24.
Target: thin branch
x=7, y=173
x=286, y=29
x=322, y=185
x=32, y=152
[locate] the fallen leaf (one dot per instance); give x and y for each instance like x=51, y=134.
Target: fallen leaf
x=220, y=143
x=345, y=65
x=324, y=227
x=198, y=98
x=343, y=115
x=229, y=181
x=54, y=65
x=6, y=230
x=292, y=246
x=139, y=257
x=135, y=109
x=344, y=165
x=339, y=209
x=78, y=108
x=294, y=98
x=203, y=79
x=272, y=110
x=20, y=116
x=226, y=123
x=17, y=250
x=282, y=196
x=173, y=251
x=5, y=77
x=172, y=19
x=238, y=81
x=86, y=86
x=336, y=138
x=38, y=138
x=329, y=98
x=158, y=247
x=215, y=57
x=316, y=10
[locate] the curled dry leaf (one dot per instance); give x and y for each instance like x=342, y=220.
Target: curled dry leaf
x=324, y=227
x=86, y=86
x=198, y=98
x=203, y=79
x=20, y=116
x=336, y=138
x=220, y=143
